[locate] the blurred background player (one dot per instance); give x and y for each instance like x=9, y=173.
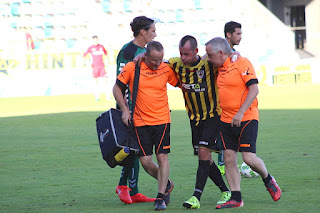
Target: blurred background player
x=233, y=34
x=29, y=40
x=144, y=31
x=97, y=51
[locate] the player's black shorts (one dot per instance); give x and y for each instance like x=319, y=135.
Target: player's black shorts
x=157, y=136
x=240, y=139
x=205, y=133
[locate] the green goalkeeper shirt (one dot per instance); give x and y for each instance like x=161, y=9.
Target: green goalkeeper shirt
x=127, y=54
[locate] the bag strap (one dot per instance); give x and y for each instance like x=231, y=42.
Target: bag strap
x=135, y=89
x=133, y=102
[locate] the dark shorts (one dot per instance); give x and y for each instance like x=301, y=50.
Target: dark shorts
x=239, y=139
x=205, y=133
x=157, y=136
x=98, y=72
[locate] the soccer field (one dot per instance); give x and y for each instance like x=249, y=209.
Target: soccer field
x=50, y=159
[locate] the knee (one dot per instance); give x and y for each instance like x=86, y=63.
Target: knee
x=229, y=157
x=249, y=158
x=162, y=159
x=204, y=154
x=144, y=162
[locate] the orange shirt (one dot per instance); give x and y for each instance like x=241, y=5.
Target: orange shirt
x=233, y=82
x=152, y=107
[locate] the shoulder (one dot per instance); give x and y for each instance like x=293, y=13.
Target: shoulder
x=130, y=65
x=241, y=63
x=129, y=51
x=124, y=46
x=174, y=60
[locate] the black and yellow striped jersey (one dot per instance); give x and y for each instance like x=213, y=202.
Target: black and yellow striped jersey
x=198, y=84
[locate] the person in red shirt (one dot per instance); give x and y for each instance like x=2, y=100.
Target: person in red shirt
x=238, y=89
x=29, y=40
x=97, y=51
x=151, y=117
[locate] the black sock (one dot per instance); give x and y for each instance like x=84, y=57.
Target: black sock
x=267, y=179
x=215, y=176
x=236, y=195
x=202, y=176
x=160, y=195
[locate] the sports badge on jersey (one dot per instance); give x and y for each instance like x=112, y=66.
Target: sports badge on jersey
x=200, y=73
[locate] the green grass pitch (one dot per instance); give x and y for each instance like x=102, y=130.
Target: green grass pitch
x=50, y=159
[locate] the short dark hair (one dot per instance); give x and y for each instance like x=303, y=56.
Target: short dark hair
x=230, y=27
x=193, y=41
x=154, y=45
x=139, y=23
x=95, y=36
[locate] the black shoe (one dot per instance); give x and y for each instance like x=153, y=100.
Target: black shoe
x=169, y=189
x=159, y=204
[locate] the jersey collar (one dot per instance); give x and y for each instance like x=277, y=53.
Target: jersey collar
x=227, y=62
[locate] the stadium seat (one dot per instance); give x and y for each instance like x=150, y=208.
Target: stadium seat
x=48, y=32
x=169, y=16
x=60, y=44
x=197, y=4
x=179, y=15
x=37, y=44
x=203, y=38
x=38, y=8
x=15, y=8
x=71, y=43
x=127, y=5
x=48, y=20
x=37, y=21
x=5, y=10
x=38, y=33
x=14, y=24
x=25, y=9
x=106, y=6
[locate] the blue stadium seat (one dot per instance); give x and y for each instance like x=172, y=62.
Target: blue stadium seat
x=197, y=4
x=179, y=15
x=106, y=6
x=48, y=32
x=48, y=20
x=14, y=25
x=71, y=43
x=127, y=5
x=37, y=44
x=203, y=38
x=15, y=8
